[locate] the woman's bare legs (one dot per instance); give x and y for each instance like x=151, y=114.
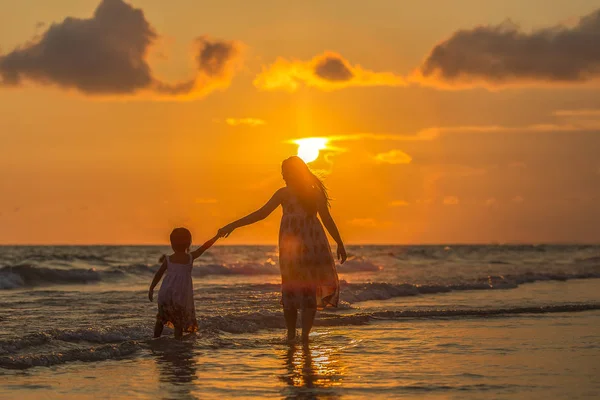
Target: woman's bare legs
x=290, y=315
x=308, y=318
x=178, y=332
x=158, y=328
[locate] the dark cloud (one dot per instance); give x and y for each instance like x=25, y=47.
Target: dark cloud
x=327, y=71
x=505, y=54
x=175, y=89
x=102, y=54
x=215, y=56
x=333, y=69
x=106, y=54
x=217, y=62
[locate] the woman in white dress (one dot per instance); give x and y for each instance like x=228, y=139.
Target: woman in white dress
x=308, y=274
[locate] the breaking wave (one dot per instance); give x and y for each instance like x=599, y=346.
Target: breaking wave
x=97, y=344
x=25, y=275
x=98, y=353
x=12, y=277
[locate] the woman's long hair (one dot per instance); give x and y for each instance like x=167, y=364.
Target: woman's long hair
x=305, y=184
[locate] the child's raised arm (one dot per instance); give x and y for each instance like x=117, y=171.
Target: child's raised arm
x=157, y=277
x=200, y=250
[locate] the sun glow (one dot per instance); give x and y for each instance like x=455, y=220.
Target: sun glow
x=309, y=148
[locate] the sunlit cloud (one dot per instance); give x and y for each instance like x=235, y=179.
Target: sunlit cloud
x=393, y=157
x=517, y=199
x=217, y=62
x=106, y=55
x=422, y=135
x=328, y=71
x=253, y=122
x=310, y=148
x=335, y=143
x=433, y=133
x=399, y=203
x=450, y=200
x=499, y=55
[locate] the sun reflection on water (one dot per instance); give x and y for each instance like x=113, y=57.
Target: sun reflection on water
x=312, y=372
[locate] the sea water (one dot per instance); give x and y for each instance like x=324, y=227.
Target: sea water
x=443, y=321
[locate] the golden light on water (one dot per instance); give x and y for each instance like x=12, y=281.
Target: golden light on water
x=309, y=148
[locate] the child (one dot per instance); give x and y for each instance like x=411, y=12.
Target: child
x=176, y=295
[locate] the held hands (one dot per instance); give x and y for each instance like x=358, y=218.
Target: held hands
x=226, y=231
x=341, y=253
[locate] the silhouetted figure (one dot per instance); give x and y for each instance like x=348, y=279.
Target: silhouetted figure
x=308, y=274
x=176, y=296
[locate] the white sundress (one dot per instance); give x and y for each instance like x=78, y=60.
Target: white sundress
x=308, y=274
x=176, y=297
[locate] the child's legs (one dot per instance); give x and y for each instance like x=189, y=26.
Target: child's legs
x=158, y=328
x=290, y=315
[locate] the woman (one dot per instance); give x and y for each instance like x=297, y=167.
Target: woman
x=308, y=274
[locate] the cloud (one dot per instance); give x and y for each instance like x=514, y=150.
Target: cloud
x=393, y=157
x=217, y=62
x=245, y=121
x=399, y=203
x=333, y=144
x=328, y=71
x=214, y=57
x=504, y=54
x=433, y=133
x=103, y=54
x=450, y=200
x=106, y=55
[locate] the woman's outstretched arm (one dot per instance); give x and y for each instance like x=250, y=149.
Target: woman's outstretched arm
x=332, y=229
x=256, y=216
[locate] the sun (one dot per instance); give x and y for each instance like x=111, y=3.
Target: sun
x=308, y=149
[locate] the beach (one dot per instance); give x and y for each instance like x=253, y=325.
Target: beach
x=433, y=321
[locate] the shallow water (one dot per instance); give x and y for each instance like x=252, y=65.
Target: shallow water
x=459, y=322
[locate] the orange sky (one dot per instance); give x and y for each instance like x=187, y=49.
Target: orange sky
x=427, y=144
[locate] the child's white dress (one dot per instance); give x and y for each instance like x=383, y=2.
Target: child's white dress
x=176, y=297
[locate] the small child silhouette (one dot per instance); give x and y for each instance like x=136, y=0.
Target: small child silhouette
x=176, y=295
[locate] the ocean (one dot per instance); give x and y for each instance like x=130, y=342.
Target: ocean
x=497, y=321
